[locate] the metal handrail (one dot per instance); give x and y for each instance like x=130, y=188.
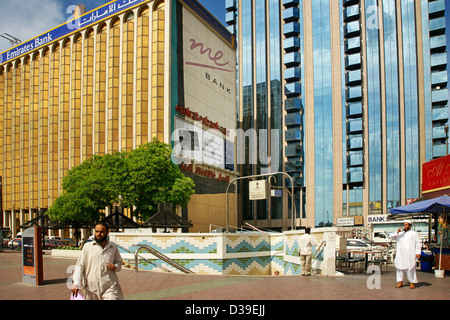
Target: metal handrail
x=143, y=258
x=160, y=256
x=318, y=250
x=260, y=176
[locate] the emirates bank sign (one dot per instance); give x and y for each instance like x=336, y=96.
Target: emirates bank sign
x=70, y=26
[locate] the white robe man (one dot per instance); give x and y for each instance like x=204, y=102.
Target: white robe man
x=408, y=249
x=306, y=242
x=95, y=272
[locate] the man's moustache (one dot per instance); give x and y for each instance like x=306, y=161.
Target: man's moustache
x=100, y=240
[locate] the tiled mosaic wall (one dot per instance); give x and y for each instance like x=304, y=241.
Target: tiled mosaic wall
x=200, y=253
x=226, y=254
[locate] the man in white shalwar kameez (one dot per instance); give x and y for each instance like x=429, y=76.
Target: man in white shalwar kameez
x=408, y=249
x=95, y=272
x=306, y=242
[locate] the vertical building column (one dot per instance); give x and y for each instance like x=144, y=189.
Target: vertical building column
x=309, y=116
x=164, y=11
x=43, y=129
x=402, y=103
x=337, y=106
x=383, y=108
x=53, y=109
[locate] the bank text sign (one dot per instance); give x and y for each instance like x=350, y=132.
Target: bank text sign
x=70, y=26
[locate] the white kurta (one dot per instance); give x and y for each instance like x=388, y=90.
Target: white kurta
x=408, y=245
x=92, y=274
x=306, y=242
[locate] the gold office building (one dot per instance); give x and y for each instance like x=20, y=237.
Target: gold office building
x=110, y=80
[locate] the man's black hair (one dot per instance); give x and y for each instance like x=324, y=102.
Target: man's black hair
x=101, y=223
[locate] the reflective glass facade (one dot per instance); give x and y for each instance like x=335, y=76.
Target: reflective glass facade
x=260, y=102
x=411, y=99
x=392, y=104
x=323, y=112
x=364, y=98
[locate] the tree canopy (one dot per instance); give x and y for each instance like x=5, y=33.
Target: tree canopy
x=141, y=179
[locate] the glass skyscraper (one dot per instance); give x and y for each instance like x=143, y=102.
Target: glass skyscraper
x=356, y=89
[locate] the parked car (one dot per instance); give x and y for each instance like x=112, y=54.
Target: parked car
x=15, y=244
x=5, y=235
x=362, y=245
x=365, y=246
x=53, y=244
x=69, y=242
x=382, y=238
x=5, y=242
x=87, y=241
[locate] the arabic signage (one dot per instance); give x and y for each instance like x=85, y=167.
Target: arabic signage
x=211, y=173
x=63, y=30
x=345, y=221
x=185, y=112
x=436, y=175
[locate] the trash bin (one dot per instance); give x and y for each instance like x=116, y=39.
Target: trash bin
x=426, y=261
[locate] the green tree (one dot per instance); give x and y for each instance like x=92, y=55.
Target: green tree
x=154, y=178
x=141, y=178
x=96, y=178
x=75, y=209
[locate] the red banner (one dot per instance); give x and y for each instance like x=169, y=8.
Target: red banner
x=436, y=174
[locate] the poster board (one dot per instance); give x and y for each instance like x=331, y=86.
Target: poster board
x=32, y=267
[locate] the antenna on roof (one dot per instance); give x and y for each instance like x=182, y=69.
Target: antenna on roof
x=14, y=41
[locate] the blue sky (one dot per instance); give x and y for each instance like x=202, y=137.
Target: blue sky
x=25, y=19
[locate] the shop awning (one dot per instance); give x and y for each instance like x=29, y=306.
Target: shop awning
x=436, y=205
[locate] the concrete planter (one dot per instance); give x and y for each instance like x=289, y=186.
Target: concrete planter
x=66, y=254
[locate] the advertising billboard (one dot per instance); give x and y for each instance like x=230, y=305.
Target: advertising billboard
x=436, y=175
x=205, y=123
